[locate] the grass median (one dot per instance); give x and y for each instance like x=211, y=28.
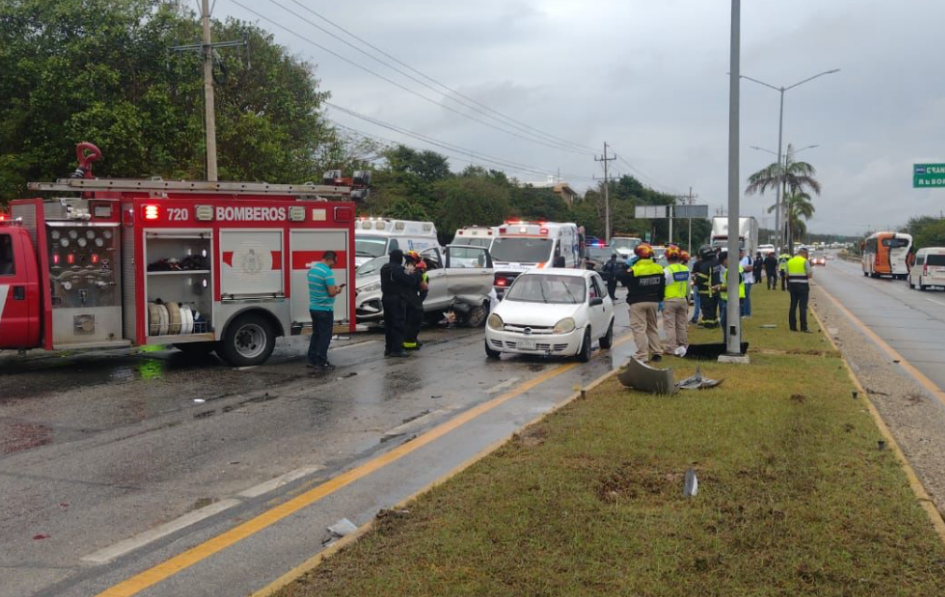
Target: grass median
x=795, y=496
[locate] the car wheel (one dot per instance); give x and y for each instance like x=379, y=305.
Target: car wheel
x=248, y=341
x=585, y=354
x=196, y=348
x=492, y=354
x=911, y=285
x=476, y=318
x=922, y=286
x=607, y=340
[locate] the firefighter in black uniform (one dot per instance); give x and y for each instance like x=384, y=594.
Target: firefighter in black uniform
x=413, y=298
x=394, y=282
x=708, y=279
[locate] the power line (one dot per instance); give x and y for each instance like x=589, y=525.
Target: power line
x=427, y=77
x=400, y=86
x=443, y=144
x=646, y=177
x=460, y=155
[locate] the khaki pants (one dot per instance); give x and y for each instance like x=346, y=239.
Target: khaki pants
x=676, y=322
x=645, y=328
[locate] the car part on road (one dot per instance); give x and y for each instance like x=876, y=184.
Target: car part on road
x=638, y=376
x=711, y=352
x=697, y=382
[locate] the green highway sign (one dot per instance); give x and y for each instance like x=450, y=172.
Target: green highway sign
x=926, y=176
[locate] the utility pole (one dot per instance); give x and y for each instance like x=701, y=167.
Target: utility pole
x=691, y=198
x=206, y=47
x=606, y=159
x=209, y=109
x=733, y=331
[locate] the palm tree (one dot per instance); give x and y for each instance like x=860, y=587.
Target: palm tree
x=796, y=177
x=799, y=208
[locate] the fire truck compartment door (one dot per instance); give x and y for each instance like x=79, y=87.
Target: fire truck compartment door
x=308, y=247
x=251, y=263
x=19, y=291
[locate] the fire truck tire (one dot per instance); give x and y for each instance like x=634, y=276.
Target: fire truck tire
x=248, y=341
x=196, y=348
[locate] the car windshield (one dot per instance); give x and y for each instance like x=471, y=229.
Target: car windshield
x=625, y=243
x=522, y=250
x=472, y=242
x=370, y=246
x=372, y=267
x=599, y=253
x=547, y=288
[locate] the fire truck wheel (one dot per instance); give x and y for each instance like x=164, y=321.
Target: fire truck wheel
x=248, y=341
x=196, y=348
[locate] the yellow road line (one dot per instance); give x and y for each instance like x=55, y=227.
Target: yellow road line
x=180, y=562
x=321, y=556
x=917, y=487
x=927, y=383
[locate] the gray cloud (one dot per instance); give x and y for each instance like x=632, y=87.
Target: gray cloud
x=649, y=77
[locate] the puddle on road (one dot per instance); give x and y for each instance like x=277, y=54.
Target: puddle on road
x=20, y=437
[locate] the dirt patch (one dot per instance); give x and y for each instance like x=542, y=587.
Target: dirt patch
x=799, y=398
x=632, y=482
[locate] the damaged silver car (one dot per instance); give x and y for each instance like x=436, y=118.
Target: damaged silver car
x=460, y=280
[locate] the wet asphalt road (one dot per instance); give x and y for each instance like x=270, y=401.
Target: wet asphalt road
x=100, y=448
x=911, y=321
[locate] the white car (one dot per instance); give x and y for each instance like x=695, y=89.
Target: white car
x=553, y=312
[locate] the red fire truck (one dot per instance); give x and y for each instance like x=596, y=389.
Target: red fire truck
x=199, y=265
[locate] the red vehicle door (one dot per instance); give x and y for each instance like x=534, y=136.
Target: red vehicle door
x=19, y=290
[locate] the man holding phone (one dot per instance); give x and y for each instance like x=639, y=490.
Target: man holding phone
x=322, y=292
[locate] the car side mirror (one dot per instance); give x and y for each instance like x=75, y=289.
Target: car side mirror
x=597, y=301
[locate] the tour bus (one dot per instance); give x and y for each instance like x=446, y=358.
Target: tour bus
x=522, y=246
x=374, y=237
x=884, y=254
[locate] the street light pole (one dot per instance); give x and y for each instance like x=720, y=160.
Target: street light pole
x=782, y=90
x=733, y=322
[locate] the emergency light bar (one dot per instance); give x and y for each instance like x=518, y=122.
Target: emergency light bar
x=152, y=212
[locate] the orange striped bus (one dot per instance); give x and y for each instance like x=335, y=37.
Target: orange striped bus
x=884, y=254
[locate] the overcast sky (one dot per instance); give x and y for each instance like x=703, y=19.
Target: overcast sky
x=648, y=76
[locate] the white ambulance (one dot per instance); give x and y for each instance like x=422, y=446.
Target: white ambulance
x=476, y=236
x=374, y=237
x=522, y=246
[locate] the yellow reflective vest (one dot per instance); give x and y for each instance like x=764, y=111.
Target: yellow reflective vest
x=797, y=270
x=679, y=287
x=741, y=284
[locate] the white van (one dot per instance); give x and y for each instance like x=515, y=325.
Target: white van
x=476, y=236
x=522, y=246
x=374, y=237
x=928, y=269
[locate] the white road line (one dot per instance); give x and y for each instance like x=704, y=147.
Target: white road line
x=347, y=346
x=501, y=386
x=103, y=556
x=935, y=301
x=272, y=484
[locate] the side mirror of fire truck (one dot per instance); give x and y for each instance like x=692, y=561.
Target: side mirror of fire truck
x=362, y=178
x=331, y=176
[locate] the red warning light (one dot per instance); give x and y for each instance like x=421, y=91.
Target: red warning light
x=70, y=258
x=55, y=258
x=94, y=258
x=151, y=212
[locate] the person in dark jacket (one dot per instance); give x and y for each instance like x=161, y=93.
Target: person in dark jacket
x=757, y=267
x=707, y=276
x=413, y=300
x=394, y=282
x=771, y=271
x=647, y=288
x=610, y=272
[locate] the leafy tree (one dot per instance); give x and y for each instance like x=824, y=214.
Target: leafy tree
x=100, y=71
x=797, y=177
x=470, y=200
x=530, y=203
x=927, y=231
x=798, y=208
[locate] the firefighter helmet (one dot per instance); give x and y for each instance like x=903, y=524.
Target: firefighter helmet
x=672, y=253
x=683, y=257
x=705, y=252
x=643, y=251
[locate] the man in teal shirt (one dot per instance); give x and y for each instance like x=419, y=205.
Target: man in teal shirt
x=321, y=304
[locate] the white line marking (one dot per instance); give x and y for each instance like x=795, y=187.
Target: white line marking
x=347, y=346
x=246, y=368
x=502, y=386
x=103, y=556
x=272, y=484
x=935, y=301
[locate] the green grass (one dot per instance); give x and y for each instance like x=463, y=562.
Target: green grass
x=795, y=499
